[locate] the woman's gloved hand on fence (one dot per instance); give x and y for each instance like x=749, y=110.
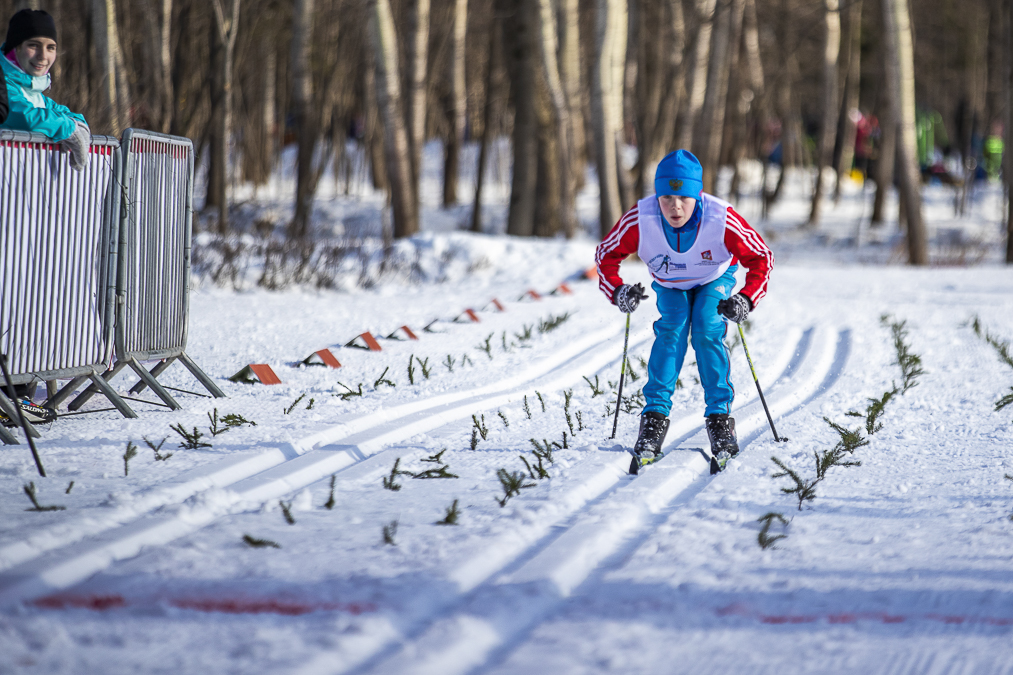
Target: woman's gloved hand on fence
x=78, y=144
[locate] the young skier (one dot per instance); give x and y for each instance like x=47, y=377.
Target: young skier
x=692, y=243
x=27, y=54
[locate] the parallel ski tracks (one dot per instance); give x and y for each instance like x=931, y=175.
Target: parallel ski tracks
x=65, y=554
x=526, y=575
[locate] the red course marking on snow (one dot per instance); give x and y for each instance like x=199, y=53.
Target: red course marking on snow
x=498, y=305
x=787, y=619
x=564, y=289
x=591, y=273
x=327, y=356
x=264, y=373
x=533, y=294
x=246, y=606
x=470, y=313
x=99, y=603
x=842, y=618
x=371, y=342
x=409, y=333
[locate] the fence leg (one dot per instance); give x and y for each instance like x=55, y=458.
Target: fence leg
x=7, y=437
x=201, y=376
x=159, y=368
x=85, y=395
x=51, y=387
x=113, y=397
x=64, y=393
x=8, y=409
x=155, y=386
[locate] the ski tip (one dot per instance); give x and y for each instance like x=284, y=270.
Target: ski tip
x=715, y=466
x=634, y=466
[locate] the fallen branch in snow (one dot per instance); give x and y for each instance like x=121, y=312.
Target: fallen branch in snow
x=512, y=484
x=451, y=517
x=763, y=538
x=253, y=542
x=29, y=489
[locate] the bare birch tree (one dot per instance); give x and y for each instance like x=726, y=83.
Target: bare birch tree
x=607, y=81
x=851, y=94
x=227, y=25
x=458, y=104
x=107, y=47
x=900, y=88
x=383, y=43
x=416, y=95
x=705, y=10
x=828, y=126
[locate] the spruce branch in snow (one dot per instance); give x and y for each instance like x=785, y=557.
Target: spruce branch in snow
x=411, y=369
x=804, y=490
x=69, y=488
x=763, y=538
x=286, y=510
x=512, y=484
x=873, y=411
x=466, y=361
x=527, y=408
x=540, y=399
x=643, y=362
x=506, y=348
x=253, y=542
x=474, y=438
x=633, y=374
x=543, y=450
x=482, y=429
x=191, y=441
x=235, y=420
x=486, y=346
x=608, y=410
x=910, y=363
x=440, y=472
x=310, y=406
x=536, y=471
x=851, y=439
x=289, y=409
x=329, y=504
x=596, y=389
x=567, y=396
x=552, y=323
x=580, y=421
x=525, y=334
x=565, y=446
x=349, y=392
x=29, y=489
x=214, y=428
x=449, y=363
x=503, y=418
x=127, y=456
x=390, y=482
x=1004, y=401
x=383, y=379
x=424, y=365
x=159, y=457
x=1002, y=347
x=389, y=532
x=435, y=459
x=451, y=517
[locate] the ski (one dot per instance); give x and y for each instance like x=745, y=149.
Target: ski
x=638, y=462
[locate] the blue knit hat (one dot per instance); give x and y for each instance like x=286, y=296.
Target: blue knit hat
x=680, y=174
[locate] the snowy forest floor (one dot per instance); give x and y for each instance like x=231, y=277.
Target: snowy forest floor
x=903, y=564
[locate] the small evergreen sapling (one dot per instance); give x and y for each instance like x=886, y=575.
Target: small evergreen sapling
x=480, y=426
x=329, y=504
x=552, y=323
x=527, y=408
x=503, y=342
x=191, y=441
x=449, y=362
x=390, y=482
x=29, y=489
x=540, y=399
x=451, y=517
x=503, y=418
x=567, y=396
x=486, y=346
x=127, y=456
x=288, y=410
x=309, y=406
x=389, y=532
x=580, y=421
x=596, y=389
x=159, y=457
x=512, y=484
x=474, y=438
x=253, y=542
x=411, y=369
x=286, y=510
x=763, y=538
x=435, y=459
x=424, y=365
x=466, y=360
x=525, y=334
x=383, y=380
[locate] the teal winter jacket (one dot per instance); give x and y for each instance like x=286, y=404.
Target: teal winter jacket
x=29, y=110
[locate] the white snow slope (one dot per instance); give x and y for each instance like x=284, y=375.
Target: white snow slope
x=899, y=565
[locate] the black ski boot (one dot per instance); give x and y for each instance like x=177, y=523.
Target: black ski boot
x=653, y=427
x=724, y=445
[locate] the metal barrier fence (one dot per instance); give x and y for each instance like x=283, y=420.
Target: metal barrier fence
x=152, y=286
x=57, y=261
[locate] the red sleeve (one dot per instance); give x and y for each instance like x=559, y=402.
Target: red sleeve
x=748, y=247
x=621, y=242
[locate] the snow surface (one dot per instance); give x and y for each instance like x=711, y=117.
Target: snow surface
x=900, y=565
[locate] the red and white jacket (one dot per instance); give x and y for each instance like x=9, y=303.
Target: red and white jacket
x=742, y=241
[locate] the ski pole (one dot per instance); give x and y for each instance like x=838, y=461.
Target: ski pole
x=622, y=376
x=742, y=336
x=21, y=415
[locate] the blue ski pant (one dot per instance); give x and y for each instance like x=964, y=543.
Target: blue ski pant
x=691, y=315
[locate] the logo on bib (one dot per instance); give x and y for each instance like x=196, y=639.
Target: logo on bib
x=675, y=184
x=706, y=255
x=662, y=264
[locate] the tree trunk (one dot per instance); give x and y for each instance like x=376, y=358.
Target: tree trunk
x=1008, y=155
x=564, y=130
x=901, y=92
x=104, y=33
x=458, y=105
x=886, y=163
x=607, y=81
x=828, y=127
x=383, y=41
x=572, y=77
x=490, y=117
x=851, y=94
x=712, y=120
x=373, y=135
x=303, y=118
x=698, y=87
x=520, y=46
x=227, y=24
x=416, y=99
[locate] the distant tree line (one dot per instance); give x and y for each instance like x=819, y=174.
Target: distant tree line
x=570, y=82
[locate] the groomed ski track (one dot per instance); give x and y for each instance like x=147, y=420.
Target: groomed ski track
x=503, y=596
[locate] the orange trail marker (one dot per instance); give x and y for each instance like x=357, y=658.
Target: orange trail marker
x=562, y=289
x=591, y=273
x=531, y=293
x=470, y=313
x=256, y=373
x=408, y=332
x=498, y=305
x=323, y=357
x=370, y=342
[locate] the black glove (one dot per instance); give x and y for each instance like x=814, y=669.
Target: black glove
x=735, y=308
x=627, y=298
